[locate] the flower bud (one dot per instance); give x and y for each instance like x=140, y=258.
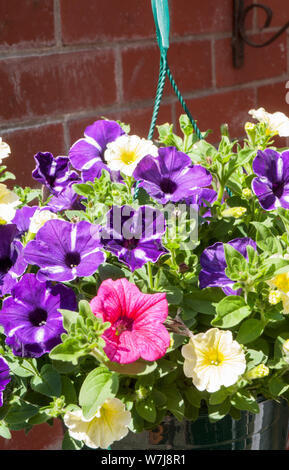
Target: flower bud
x=274, y=297
x=247, y=193
x=257, y=372
x=235, y=212
x=250, y=126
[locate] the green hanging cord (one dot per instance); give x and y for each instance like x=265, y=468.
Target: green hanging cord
x=161, y=14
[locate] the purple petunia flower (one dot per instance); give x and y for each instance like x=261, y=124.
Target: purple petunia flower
x=64, y=251
x=87, y=154
x=134, y=236
x=200, y=197
x=4, y=377
x=213, y=263
x=12, y=264
x=54, y=173
x=30, y=317
x=67, y=199
x=23, y=217
x=272, y=183
x=170, y=177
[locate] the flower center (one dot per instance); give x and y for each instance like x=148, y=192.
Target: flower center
x=214, y=357
x=278, y=189
x=123, y=324
x=5, y=265
x=130, y=244
x=128, y=156
x=168, y=186
x=38, y=317
x=281, y=281
x=72, y=259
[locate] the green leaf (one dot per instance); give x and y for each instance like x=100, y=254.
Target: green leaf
x=278, y=386
x=245, y=401
x=174, y=295
x=231, y=311
x=69, y=318
x=139, y=367
x=68, y=390
x=83, y=189
x=175, y=401
x=147, y=410
x=218, y=397
x=20, y=412
x=217, y=412
x=193, y=396
x=69, y=443
x=236, y=263
x=99, y=385
x=249, y=331
x=4, y=430
x=68, y=351
x=49, y=382
x=26, y=368
x=109, y=271
x=266, y=239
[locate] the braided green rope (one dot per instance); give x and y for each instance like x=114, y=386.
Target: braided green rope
x=159, y=95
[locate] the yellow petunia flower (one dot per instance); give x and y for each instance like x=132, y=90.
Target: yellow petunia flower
x=125, y=153
x=8, y=203
x=109, y=424
x=213, y=359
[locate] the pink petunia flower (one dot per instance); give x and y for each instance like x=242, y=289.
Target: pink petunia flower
x=137, y=329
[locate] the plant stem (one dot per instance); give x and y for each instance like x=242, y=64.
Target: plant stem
x=150, y=274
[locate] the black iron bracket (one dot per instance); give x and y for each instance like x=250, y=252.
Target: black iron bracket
x=240, y=37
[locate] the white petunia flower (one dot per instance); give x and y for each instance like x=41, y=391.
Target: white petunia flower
x=213, y=359
x=4, y=150
x=126, y=152
x=109, y=424
x=8, y=203
x=278, y=123
x=39, y=219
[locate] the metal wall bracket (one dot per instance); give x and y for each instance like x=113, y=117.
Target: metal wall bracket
x=240, y=38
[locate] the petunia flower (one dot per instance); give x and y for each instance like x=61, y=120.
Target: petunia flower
x=137, y=329
x=22, y=218
x=277, y=123
x=280, y=284
x=39, y=218
x=170, y=177
x=213, y=359
x=64, y=251
x=4, y=150
x=213, y=264
x=126, y=152
x=134, y=236
x=4, y=377
x=110, y=423
x=67, y=199
x=54, y=173
x=12, y=264
x=30, y=317
x=87, y=154
x=272, y=183
x=200, y=198
x=8, y=203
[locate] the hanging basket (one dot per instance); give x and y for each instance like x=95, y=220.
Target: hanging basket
x=266, y=430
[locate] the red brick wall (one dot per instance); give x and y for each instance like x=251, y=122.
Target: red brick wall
x=66, y=63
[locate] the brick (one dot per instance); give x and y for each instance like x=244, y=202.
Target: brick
x=230, y=107
x=259, y=64
x=280, y=9
x=273, y=97
x=210, y=16
x=41, y=437
x=28, y=25
x=140, y=119
x=190, y=63
x=57, y=83
x=26, y=143
x=83, y=21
